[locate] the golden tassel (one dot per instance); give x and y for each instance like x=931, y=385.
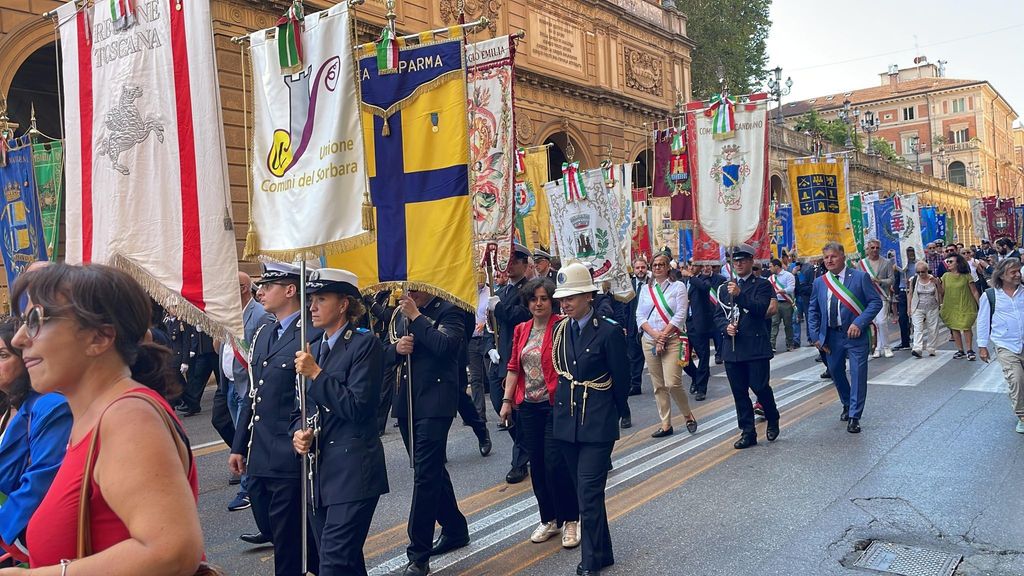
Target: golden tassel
x=368, y=210
x=386, y=130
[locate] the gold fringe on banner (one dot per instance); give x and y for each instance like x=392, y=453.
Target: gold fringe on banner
x=419, y=287
x=253, y=252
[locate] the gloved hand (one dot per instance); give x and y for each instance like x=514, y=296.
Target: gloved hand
x=492, y=302
x=191, y=354
x=183, y=369
x=494, y=356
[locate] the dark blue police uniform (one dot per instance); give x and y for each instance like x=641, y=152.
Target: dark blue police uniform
x=700, y=328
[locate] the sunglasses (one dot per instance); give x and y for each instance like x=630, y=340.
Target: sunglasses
x=34, y=319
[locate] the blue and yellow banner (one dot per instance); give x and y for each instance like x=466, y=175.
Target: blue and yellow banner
x=820, y=210
x=416, y=138
x=782, y=230
x=20, y=222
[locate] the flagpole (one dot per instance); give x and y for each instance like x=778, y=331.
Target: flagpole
x=302, y=411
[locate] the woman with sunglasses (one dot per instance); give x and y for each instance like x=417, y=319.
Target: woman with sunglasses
x=32, y=447
x=82, y=335
x=959, y=307
x=924, y=300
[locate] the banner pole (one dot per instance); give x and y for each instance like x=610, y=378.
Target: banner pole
x=302, y=412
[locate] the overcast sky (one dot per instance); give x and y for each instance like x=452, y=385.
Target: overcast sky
x=828, y=46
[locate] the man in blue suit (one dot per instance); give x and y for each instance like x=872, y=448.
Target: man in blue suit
x=700, y=324
x=840, y=313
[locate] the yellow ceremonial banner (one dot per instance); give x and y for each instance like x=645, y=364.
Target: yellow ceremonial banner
x=535, y=228
x=821, y=213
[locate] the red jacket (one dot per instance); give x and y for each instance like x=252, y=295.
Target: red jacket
x=519, y=339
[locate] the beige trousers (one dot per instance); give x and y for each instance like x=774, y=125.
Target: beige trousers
x=1013, y=371
x=667, y=379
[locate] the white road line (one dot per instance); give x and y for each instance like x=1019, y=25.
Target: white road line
x=208, y=445
x=618, y=476
x=912, y=371
x=988, y=379
x=786, y=359
x=812, y=373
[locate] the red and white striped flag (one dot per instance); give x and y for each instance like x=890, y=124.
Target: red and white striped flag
x=146, y=166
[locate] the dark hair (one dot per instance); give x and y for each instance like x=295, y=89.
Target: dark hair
x=156, y=317
x=356, y=309
x=97, y=297
x=776, y=262
x=961, y=263
x=530, y=288
x=22, y=385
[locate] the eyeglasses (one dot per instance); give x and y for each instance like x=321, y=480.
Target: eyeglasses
x=658, y=265
x=34, y=319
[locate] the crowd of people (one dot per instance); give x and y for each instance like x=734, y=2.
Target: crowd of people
x=559, y=357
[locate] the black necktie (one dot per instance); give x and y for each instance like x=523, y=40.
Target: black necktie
x=576, y=329
x=325, y=350
x=274, y=332
x=833, y=312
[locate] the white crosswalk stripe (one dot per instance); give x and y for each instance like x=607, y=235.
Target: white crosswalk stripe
x=913, y=371
x=783, y=360
x=988, y=379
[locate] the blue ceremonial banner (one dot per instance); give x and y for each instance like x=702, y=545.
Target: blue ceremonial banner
x=686, y=245
x=940, y=226
x=883, y=221
x=782, y=230
x=929, y=221
x=20, y=220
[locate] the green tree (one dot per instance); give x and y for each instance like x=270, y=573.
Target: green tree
x=832, y=132
x=730, y=37
x=885, y=150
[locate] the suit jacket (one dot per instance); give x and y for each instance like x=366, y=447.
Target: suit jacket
x=30, y=455
x=509, y=312
x=266, y=437
x=752, y=337
x=632, y=330
x=253, y=316
x=702, y=310
x=600, y=353
x=884, y=270
x=862, y=287
x=439, y=335
x=349, y=463
x=178, y=331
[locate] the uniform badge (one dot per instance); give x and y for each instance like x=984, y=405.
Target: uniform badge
x=348, y=335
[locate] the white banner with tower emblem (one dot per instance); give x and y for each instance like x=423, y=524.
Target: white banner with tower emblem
x=907, y=226
x=729, y=148
x=146, y=165
x=595, y=229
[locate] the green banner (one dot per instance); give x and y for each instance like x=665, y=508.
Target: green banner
x=857, y=222
x=48, y=165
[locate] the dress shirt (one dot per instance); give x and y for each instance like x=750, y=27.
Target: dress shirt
x=675, y=295
x=1006, y=330
x=286, y=323
x=333, y=338
x=483, y=297
x=787, y=282
x=828, y=296
x=573, y=323
x=227, y=360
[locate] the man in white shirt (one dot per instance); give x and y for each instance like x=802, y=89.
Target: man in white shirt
x=784, y=284
x=1004, y=327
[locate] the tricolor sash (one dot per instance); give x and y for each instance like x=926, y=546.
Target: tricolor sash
x=840, y=291
x=863, y=264
x=660, y=302
x=779, y=289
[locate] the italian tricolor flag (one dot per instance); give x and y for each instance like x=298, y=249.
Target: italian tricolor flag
x=289, y=39
x=387, y=50
x=122, y=13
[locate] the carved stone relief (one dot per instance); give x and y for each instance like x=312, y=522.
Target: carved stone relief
x=474, y=9
x=643, y=71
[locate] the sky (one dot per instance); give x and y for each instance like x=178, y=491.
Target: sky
x=829, y=46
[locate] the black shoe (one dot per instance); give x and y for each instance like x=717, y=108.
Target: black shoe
x=187, y=412
x=234, y=480
x=416, y=569
x=700, y=396
x=846, y=414
x=826, y=375
x=255, y=538
x=745, y=441
x=718, y=360
x=635, y=391
x=693, y=389
x=502, y=425
x=447, y=543
x=661, y=433
x=581, y=572
x=853, y=426
x=625, y=422
x=817, y=358
x=901, y=347
x=916, y=354
x=485, y=443
x=772, y=432
x=516, y=475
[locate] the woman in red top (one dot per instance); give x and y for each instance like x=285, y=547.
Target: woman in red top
x=530, y=388
x=82, y=336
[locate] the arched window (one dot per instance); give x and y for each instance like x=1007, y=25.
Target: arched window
x=957, y=173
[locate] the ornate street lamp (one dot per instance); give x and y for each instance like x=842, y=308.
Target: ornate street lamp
x=869, y=123
x=778, y=89
x=849, y=117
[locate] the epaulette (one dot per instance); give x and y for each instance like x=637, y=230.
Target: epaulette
x=363, y=330
x=610, y=321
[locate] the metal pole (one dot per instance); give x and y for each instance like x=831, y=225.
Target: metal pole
x=408, y=396
x=302, y=411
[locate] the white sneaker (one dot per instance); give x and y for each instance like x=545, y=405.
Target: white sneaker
x=1020, y=430
x=544, y=532
x=876, y=354
x=570, y=534
x=888, y=352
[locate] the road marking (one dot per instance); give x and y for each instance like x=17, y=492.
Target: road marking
x=912, y=371
x=988, y=379
x=674, y=448
x=786, y=359
x=807, y=374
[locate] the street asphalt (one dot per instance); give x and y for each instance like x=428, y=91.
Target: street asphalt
x=937, y=466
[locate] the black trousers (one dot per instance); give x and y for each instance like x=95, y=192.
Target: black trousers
x=751, y=375
x=635, y=353
x=904, y=318
x=279, y=502
x=497, y=392
x=470, y=417
x=700, y=374
x=220, y=416
x=556, y=495
x=340, y=531
x=387, y=394
x=433, y=498
x=199, y=372
x=588, y=467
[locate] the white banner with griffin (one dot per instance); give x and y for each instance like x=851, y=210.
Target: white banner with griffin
x=146, y=166
x=491, y=147
x=730, y=185
x=308, y=165
x=595, y=229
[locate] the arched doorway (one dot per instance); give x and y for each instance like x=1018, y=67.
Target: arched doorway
x=957, y=173
x=564, y=148
x=35, y=84
x=779, y=194
x=642, y=169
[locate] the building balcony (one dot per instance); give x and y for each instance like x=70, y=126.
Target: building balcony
x=961, y=146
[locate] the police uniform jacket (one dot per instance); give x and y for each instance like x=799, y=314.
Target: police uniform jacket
x=601, y=354
x=752, y=337
x=200, y=342
x=509, y=312
x=702, y=311
x=178, y=332
x=439, y=334
x=349, y=464
x=266, y=439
